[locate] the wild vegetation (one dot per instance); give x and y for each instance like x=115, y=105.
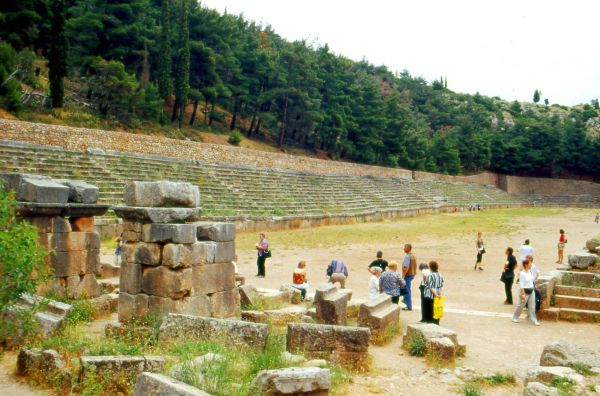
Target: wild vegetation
x=132, y=63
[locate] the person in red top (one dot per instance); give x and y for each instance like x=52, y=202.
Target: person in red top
x=561, y=246
x=299, y=280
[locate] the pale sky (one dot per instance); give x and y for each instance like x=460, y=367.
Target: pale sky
x=503, y=48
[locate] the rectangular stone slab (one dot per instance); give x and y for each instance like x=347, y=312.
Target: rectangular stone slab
x=161, y=194
x=175, y=233
x=35, y=188
x=80, y=191
x=151, y=384
x=132, y=306
x=212, y=278
x=158, y=215
x=217, y=232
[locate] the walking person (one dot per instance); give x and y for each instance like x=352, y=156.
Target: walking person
x=424, y=268
x=374, y=283
x=119, y=250
x=480, y=251
x=378, y=262
x=261, y=247
x=300, y=280
x=527, y=295
x=525, y=250
x=433, y=288
x=337, y=272
x=562, y=240
x=508, y=275
x=391, y=282
x=409, y=270
x=597, y=218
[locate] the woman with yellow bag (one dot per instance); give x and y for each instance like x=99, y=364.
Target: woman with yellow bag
x=433, y=295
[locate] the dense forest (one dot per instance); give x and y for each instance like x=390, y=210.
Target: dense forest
x=181, y=64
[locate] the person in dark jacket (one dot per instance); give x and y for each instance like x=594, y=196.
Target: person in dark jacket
x=508, y=275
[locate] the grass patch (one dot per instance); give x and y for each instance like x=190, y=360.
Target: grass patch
x=471, y=389
x=265, y=304
x=387, y=335
x=564, y=385
x=417, y=346
x=476, y=385
x=583, y=369
x=490, y=222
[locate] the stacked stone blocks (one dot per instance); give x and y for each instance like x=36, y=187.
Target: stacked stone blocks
x=331, y=305
x=380, y=315
x=172, y=263
x=62, y=211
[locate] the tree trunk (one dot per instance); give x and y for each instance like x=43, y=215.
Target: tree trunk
x=205, y=111
x=193, y=116
x=236, y=106
x=283, y=123
x=212, y=109
x=252, y=122
x=257, y=129
x=174, y=112
x=145, y=77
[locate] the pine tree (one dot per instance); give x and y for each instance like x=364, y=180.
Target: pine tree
x=536, y=96
x=57, y=54
x=182, y=76
x=165, y=84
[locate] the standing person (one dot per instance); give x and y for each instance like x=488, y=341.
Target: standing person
x=424, y=268
x=534, y=270
x=433, y=288
x=480, y=251
x=527, y=295
x=261, y=247
x=525, y=250
x=508, y=275
x=390, y=282
x=374, y=283
x=379, y=262
x=119, y=250
x=562, y=240
x=300, y=280
x=409, y=270
x=597, y=218
x=337, y=272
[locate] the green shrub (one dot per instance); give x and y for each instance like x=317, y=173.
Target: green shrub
x=583, y=369
x=564, y=385
x=235, y=137
x=417, y=346
x=500, y=379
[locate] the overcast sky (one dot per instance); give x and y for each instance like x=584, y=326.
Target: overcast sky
x=503, y=48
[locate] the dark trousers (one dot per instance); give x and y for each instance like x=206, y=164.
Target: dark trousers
x=395, y=299
x=260, y=263
x=508, y=290
x=422, y=290
x=428, y=311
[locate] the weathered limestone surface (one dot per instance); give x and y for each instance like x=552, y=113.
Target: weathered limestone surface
x=539, y=389
x=582, y=260
x=213, y=278
x=143, y=253
x=439, y=340
x=225, y=304
x=175, y=233
x=30, y=360
x=564, y=354
x=164, y=282
x=161, y=194
x=295, y=381
x=152, y=384
x=157, y=215
x=545, y=375
x=120, y=364
x=331, y=305
x=80, y=191
x=346, y=345
x=248, y=295
x=35, y=188
x=380, y=315
x=236, y=332
x=592, y=245
x=218, y=232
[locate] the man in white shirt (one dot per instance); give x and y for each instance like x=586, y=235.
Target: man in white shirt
x=525, y=250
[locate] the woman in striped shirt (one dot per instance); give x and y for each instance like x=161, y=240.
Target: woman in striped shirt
x=433, y=288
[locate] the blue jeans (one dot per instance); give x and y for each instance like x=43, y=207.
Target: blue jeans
x=408, y=296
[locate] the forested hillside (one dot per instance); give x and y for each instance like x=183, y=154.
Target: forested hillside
x=176, y=63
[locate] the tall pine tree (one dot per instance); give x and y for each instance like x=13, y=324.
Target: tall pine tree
x=182, y=76
x=165, y=84
x=57, y=54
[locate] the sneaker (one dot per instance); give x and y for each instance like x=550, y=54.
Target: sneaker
x=480, y=269
x=515, y=320
x=537, y=323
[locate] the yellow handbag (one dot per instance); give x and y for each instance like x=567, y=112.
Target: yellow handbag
x=438, y=307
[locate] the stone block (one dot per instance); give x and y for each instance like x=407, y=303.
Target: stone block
x=213, y=278
x=545, y=285
x=174, y=233
x=35, y=188
x=177, y=255
x=66, y=264
x=545, y=375
x=442, y=348
x=234, y=332
x=162, y=306
x=294, y=381
x=225, y=252
x=31, y=360
x=342, y=344
x=161, y=194
x=130, y=280
x=50, y=224
x=582, y=260
x=225, y=304
x=71, y=241
x=80, y=191
x=217, y=232
x=592, y=245
x=248, y=295
x=430, y=332
x=158, y=215
x=82, y=224
x=380, y=315
x=331, y=305
x=132, y=231
x=132, y=306
x=87, y=287
x=538, y=389
x=164, y=282
x=109, y=270
x=152, y=384
x=255, y=316
x=143, y=253
x=564, y=354
x=119, y=364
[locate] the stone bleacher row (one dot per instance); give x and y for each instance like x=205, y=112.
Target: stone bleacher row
x=245, y=191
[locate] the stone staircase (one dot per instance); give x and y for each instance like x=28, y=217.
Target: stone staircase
x=576, y=298
x=232, y=191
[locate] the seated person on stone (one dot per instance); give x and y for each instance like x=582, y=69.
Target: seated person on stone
x=337, y=272
x=299, y=279
x=239, y=279
x=374, y=283
x=391, y=282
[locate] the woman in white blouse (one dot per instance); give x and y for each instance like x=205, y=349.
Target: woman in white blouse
x=526, y=279
x=374, y=283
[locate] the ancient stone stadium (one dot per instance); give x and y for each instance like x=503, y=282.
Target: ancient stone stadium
x=178, y=312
